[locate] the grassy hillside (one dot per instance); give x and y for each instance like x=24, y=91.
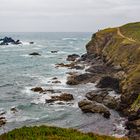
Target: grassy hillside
x=51, y=133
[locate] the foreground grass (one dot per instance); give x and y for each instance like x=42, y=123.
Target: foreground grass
x=51, y=133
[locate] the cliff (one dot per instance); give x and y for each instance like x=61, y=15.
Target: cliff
x=120, y=47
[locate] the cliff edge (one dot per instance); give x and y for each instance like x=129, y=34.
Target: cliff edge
x=120, y=47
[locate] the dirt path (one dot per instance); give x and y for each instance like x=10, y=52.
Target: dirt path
x=120, y=34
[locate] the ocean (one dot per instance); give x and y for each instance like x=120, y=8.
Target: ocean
x=19, y=72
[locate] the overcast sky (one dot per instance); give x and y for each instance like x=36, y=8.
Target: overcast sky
x=66, y=15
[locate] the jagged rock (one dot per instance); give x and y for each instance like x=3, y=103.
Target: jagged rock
x=7, y=40
x=109, y=82
x=34, y=53
x=93, y=107
x=63, y=97
x=102, y=96
x=72, y=57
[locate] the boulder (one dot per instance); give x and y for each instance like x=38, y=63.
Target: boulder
x=31, y=42
x=34, y=53
x=108, y=82
x=102, y=96
x=78, y=79
x=72, y=57
x=2, y=121
x=63, y=97
x=38, y=89
x=93, y=107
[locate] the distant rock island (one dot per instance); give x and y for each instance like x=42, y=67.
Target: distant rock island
x=9, y=40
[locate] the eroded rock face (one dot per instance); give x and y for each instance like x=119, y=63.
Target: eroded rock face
x=93, y=107
x=72, y=57
x=109, y=82
x=63, y=97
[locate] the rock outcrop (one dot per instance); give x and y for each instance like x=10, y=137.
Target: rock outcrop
x=9, y=40
x=93, y=107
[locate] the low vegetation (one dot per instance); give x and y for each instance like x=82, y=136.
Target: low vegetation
x=52, y=133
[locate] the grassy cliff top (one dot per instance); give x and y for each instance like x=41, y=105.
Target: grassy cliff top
x=51, y=133
x=132, y=30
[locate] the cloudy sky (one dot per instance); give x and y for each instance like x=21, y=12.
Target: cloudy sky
x=66, y=15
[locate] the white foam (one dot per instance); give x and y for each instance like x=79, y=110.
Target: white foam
x=67, y=38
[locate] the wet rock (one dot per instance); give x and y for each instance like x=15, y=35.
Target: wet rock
x=54, y=51
x=56, y=82
x=78, y=79
x=14, y=110
x=2, y=121
x=97, y=95
x=38, y=89
x=34, y=53
x=72, y=57
x=93, y=107
x=31, y=42
x=65, y=65
x=102, y=96
x=109, y=82
x=63, y=97
x=55, y=78
x=133, y=124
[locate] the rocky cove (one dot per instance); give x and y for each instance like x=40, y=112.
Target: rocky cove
x=113, y=72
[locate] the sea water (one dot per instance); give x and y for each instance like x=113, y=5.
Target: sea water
x=19, y=72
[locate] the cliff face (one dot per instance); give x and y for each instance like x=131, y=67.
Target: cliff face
x=120, y=47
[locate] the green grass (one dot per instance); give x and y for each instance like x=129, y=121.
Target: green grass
x=51, y=133
x=132, y=30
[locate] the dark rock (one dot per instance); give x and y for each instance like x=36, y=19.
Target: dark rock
x=56, y=82
x=37, y=89
x=14, y=110
x=7, y=40
x=63, y=97
x=2, y=121
x=93, y=107
x=31, y=42
x=102, y=96
x=78, y=79
x=54, y=51
x=34, y=53
x=133, y=124
x=109, y=82
x=72, y=57
x=55, y=78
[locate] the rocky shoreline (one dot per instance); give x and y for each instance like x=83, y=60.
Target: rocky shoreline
x=111, y=63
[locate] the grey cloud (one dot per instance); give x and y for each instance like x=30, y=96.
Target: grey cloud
x=66, y=15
